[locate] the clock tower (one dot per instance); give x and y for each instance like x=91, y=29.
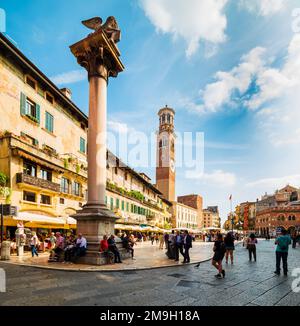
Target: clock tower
x=165, y=165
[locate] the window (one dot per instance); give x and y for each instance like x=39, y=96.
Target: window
x=127, y=207
x=62, y=201
x=45, y=200
x=49, y=98
x=118, y=203
x=49, y=122
x=46, y=175
x=123, y=205
x=30, y=109
x=76, y=189
x=111, y=203
x=116, y=170
x=82, y=145
x=29, y=168
x=29, y=196
x=64, y=185
x=31, y=82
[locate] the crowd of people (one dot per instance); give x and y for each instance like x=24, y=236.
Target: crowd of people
x=224, y=247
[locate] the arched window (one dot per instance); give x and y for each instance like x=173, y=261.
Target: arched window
x=163, y=118
x=169, y=118
x=160, y=144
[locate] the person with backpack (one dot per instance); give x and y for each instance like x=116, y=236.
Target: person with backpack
x=282, y=251
x=219, y=253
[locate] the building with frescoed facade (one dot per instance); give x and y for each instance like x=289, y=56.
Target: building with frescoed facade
x=43, y=147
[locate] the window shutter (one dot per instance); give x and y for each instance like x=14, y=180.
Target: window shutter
x=23, y=104
x=38, y=113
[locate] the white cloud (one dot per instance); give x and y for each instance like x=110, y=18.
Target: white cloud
x=239, y=79
x=273, y=93
x=118, y=127
x=70, y=77
x=217, y=178
x=263, y=7
x=276, y=183
x=192, y=20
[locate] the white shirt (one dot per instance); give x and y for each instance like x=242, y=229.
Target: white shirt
x=81, y=242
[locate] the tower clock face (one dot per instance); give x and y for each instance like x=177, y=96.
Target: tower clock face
x=172, y=166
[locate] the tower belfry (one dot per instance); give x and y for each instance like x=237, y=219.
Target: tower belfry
x=165, y=165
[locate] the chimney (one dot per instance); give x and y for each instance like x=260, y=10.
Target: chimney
x=67, y=92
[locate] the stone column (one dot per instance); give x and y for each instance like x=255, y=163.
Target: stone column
x=99, y=55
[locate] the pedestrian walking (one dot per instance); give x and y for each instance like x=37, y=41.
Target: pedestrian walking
x=229, y=245
x=152, y=238
x=187, y=244
x=251, y=246
x=34, y=241
x=282, y=251
x=161, y=241
x=219, y=253
x=166, y=239
x=178, y=245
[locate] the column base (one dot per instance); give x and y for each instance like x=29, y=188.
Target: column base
x=95, y=221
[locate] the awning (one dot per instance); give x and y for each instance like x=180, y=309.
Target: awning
x=42, y=219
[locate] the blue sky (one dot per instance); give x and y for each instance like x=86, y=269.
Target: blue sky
x=230, y=69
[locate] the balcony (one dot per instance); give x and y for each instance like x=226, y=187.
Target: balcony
x=37, y=182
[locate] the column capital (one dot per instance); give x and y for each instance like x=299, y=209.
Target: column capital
x=99, y=55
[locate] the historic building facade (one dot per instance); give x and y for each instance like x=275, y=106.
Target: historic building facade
x=196, y=202
x=248, y=215
x=211, y=217
x=282, y=209
x=43, y=147
x=184, y=216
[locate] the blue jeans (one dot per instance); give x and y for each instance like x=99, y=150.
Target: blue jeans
x=284, y=257
x=34, y=251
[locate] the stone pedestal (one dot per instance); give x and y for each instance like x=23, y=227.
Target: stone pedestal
x=99, y=55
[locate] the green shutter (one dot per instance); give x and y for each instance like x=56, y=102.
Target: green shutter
x=82, y=145
x=38, y=113
x=49, y=122
x=23, y=104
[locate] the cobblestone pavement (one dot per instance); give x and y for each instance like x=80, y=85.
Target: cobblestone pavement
x=147, y=256
x=246, y=283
